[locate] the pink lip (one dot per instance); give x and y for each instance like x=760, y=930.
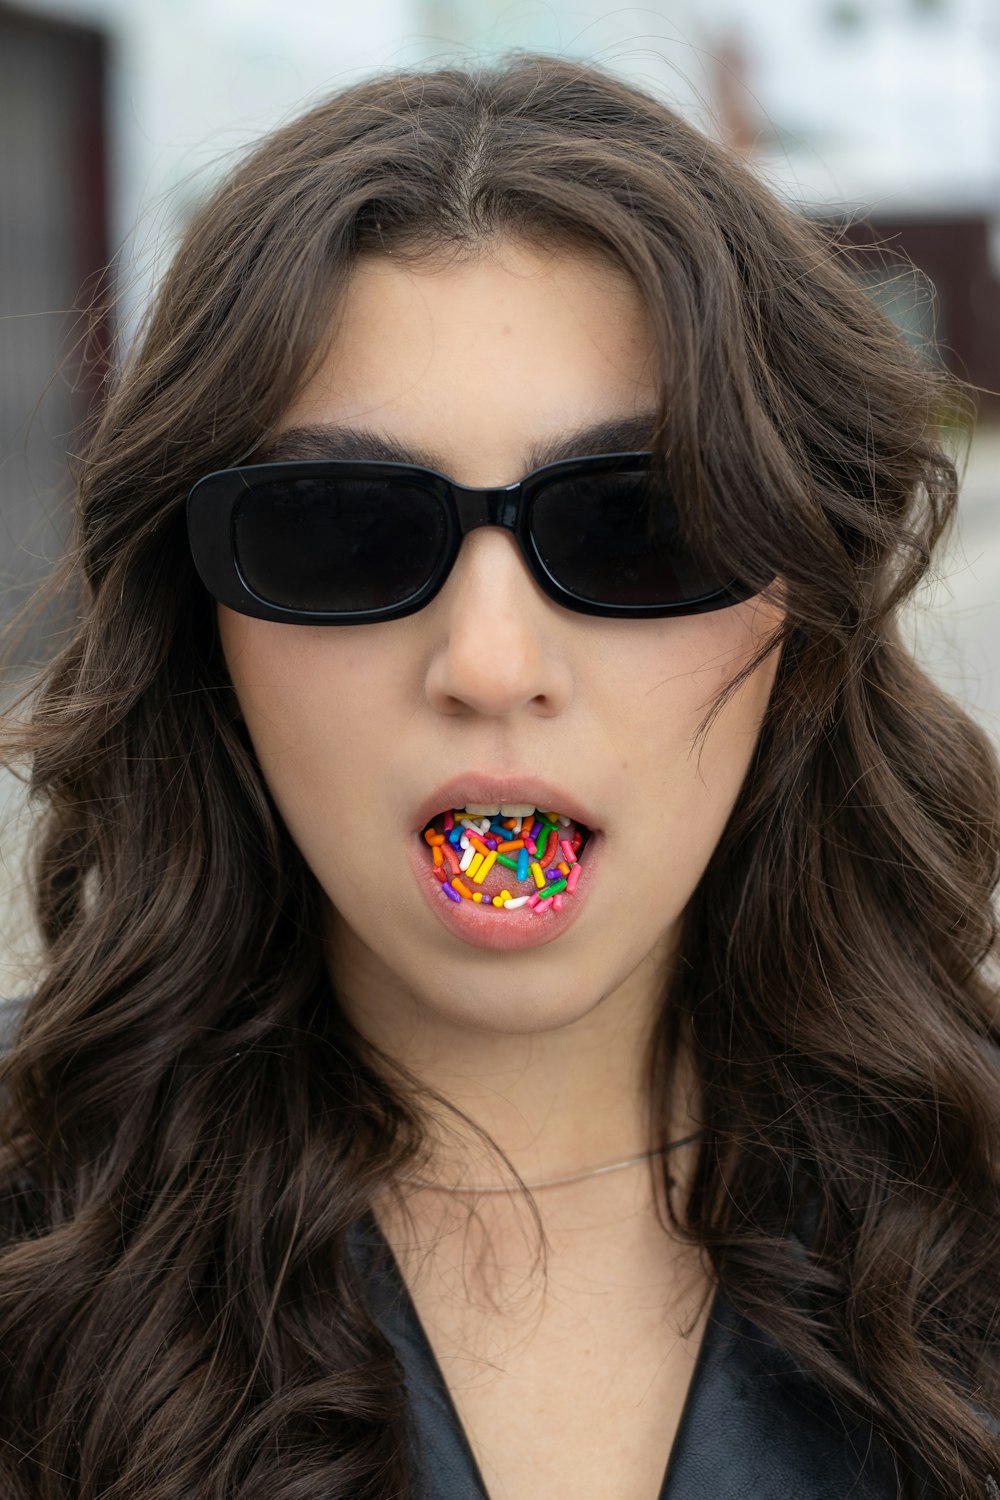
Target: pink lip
x=499, y=929
x=487, y=789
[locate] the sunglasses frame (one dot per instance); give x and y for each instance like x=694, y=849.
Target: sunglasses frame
x=211, y=509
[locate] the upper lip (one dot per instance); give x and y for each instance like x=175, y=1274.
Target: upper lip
x=487, y=788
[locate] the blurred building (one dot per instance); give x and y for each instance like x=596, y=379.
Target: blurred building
x=884, y=116
x=53, y=247
x=957, y=307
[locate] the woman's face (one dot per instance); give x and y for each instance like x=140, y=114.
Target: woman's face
x=476, y=365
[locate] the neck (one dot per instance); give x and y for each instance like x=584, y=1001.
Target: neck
x=557, y=1102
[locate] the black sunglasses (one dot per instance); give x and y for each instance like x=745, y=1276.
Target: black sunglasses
x=342, y=542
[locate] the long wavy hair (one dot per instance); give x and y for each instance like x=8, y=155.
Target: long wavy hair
x=191, y=1123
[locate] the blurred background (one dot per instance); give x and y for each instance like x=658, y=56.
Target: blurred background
x=117, y=116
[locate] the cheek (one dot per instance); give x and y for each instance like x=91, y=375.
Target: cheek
x=312, y=716
x=667, y=682
x=693, y=783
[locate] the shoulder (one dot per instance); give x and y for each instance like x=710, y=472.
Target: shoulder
x=756, y=1423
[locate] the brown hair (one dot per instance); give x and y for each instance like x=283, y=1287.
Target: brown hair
x=193, y=1124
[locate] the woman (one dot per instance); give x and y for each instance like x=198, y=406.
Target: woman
x=514, y=1016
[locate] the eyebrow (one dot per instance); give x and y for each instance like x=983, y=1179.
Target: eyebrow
x=631, y=434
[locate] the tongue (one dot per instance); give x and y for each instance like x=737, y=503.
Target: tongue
x=501, y=879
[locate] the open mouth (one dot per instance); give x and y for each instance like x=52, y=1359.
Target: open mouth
x=506, y=858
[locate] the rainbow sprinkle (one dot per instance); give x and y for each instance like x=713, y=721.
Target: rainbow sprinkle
x=540, y=852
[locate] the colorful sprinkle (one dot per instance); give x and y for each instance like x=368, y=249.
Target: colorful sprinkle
x=541, y=852
x=549, y=846
x=481, y=872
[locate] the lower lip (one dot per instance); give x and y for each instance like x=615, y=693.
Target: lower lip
x=494, y=926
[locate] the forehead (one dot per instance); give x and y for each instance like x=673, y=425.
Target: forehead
x=483, y=366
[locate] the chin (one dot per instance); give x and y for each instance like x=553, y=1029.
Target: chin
x=520, y=1010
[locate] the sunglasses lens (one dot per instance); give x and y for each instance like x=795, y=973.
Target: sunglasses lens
x=335, y=545
x=613, y=539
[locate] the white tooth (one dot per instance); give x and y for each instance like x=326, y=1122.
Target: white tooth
x=517, y=809
x=478, y=810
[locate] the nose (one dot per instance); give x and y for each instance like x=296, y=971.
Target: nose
x=498, y=643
